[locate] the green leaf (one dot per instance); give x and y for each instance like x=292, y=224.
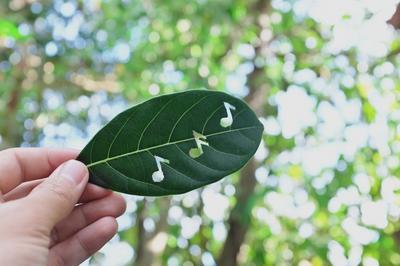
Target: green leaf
x=188, y=133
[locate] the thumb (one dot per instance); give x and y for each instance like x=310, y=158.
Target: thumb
x=56, y=197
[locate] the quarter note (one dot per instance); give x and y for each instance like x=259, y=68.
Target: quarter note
x=200, y=140
x=158, y=175
x=228, y=120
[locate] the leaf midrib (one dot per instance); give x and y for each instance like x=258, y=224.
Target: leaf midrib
x=163, y=145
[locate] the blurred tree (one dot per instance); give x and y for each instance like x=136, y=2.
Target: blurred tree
x=322, y=76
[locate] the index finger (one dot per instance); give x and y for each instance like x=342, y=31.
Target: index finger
x=18, y=165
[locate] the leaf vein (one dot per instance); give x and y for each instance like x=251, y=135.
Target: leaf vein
x=208, y=119
x=119, y=131
x=186, y=175
x=166, y=144
x=140, y=181
x=151, y=121
x=229, y=153
x=216, y=170
x=183, y=115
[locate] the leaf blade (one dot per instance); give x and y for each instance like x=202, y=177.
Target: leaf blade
x=164, y=127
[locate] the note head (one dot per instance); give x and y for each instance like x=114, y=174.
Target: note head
x=226, y=122
x=195, y=153
x=157, y=176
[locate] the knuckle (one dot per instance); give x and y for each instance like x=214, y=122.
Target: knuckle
x=60, y=191
x=120, y=205
x=54, y=236
x=83, y=213
x=83, y=246
x=57, y=260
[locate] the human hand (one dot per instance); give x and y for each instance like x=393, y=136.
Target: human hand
x=40, y=220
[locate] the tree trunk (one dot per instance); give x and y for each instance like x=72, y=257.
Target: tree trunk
x=151, y=245
x=10, y=128
x=240, y=217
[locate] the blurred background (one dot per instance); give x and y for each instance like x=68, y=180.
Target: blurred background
x=322, y=75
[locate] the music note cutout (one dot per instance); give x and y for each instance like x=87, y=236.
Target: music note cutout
x=158, y=175
x=228, y=120
x=200, y=140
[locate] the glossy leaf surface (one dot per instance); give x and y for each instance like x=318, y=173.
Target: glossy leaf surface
x=173, y=144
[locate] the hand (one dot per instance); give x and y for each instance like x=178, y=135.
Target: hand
x=40, y=220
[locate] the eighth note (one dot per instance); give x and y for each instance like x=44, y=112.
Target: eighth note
x=200, y=140
x=227, y=121
x=158, y=175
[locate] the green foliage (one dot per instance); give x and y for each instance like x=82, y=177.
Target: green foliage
x=8, y=29
x=326, y=173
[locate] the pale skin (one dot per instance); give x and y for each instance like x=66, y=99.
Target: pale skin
x=49, y=214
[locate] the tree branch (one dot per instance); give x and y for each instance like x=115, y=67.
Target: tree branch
x=395, y=19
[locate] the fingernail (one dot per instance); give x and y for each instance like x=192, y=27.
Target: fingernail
x=74, y=171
